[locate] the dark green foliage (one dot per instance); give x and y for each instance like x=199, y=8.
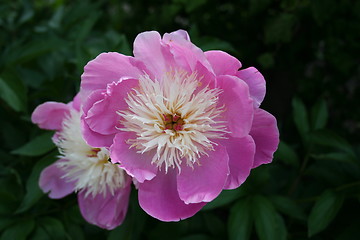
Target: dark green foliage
x=309, y=54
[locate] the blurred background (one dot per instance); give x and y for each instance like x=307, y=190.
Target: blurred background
x=308, y=51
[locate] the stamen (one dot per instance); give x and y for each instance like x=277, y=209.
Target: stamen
x=173, y=119
x=88, y=167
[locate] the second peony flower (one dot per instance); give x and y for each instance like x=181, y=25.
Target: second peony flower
x=184, y=123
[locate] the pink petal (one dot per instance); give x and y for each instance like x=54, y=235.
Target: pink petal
x=135, y=164
x=160, y=199
x=186, y=54
x=102, y=117
x=223, y=63
x=266, y=136
x=204, y=182
x=51, y=180
x=149, y=49
x=238, y=105
x=107, y=68
x=50, y=115
x=108, y=211
x=256, y=82
x=241, y=153
x=93, y=138
x=205, y=77
x=182, y=33
x=76, y=103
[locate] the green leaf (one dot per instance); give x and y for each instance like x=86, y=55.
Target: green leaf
x=9, y=199
x=323, y=10
x=196, y=237
x=121, y=232
x=225, y=197
x=288, y=206
x=215, y=224
x=40, y=234
x=53, y=227
x=300, y=117
x=269, y=224
x=32, y=50
x=19, y=231
x=11, y=96
x=33, y=192
x=5, y=222
x=37, y=146
x=240, y=220
x=324, y=211
x=319, y=115
x=334, y=156
x=286, y=154
x=331, y=139
x=75, y=232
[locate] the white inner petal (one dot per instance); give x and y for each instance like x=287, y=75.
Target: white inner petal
x=194, y=113
x=88, y=167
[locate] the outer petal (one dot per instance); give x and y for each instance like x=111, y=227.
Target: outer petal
x=135, y=164
x=204, y=182
x=256, y=82
x=93, y=138
x=223, y=63
x=50, y=115
x=186, y=54
x=51, y=181
x=182, y=33
x=241, y=153
x=266, y=136
x=105, y=211
x=107, y=68
x=149, y=49
x=239, y=108
x=76, y=103
x=160, y=199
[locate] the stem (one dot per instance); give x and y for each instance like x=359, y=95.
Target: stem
x=298, y=178
x=348, y=185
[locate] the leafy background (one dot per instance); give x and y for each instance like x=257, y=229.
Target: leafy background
x=308, y=51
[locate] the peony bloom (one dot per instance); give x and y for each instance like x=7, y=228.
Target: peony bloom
x=186, y=124
x=103, y=188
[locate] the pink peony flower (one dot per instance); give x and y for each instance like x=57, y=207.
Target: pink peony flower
x=103, y=188
x=186, y=124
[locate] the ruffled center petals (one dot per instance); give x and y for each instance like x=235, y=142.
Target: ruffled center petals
x=100, y=120
x=102, y=117
x=160, y=199
x=238, y=104
x=204, y=182
x=92, y=137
